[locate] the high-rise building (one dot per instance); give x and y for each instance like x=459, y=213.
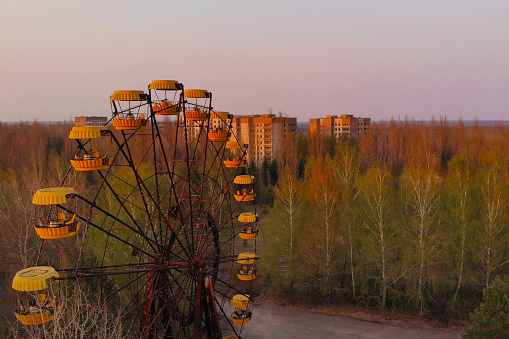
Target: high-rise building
x=264, y=134
x=345, y=125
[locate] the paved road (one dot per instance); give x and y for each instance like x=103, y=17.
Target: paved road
x=272, y=321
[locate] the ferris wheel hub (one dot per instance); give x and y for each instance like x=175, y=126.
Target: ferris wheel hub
x=196, y=265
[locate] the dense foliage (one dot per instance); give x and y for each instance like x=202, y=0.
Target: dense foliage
x=491, y=319
x=411, y=216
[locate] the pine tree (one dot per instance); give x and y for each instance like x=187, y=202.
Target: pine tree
x=491, y=319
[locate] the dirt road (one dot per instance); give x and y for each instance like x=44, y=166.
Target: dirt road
x=272, y=321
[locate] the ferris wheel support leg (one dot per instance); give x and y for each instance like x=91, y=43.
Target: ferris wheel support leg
x=215, y=328
x=148, y=308
x=197, y=305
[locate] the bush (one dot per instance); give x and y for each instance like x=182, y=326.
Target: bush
x=491, y=319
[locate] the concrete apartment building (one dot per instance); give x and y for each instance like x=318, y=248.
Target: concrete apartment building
x=90, y=121
x=345, y=125
x=265, y=134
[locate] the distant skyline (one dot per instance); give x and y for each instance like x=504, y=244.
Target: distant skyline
x=378, y=59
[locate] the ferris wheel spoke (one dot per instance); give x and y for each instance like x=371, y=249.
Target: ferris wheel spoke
x=149, y=295
x=208, y=236
x=124, y=208
x=229, y=286
x=126, y=285
x=149, y=240
x=131, y=163
x=221, y=245
x=227, y=317
x=115, y=270
x=152, y=199
x=98, y=227
x=143, y=189
x=187, y=301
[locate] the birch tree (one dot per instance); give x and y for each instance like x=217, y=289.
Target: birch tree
x=421, y=189
x=459, y=184
x=285, y=229
x=493, y=213
x=346, y=171
x=375, y=188
x=323, y=236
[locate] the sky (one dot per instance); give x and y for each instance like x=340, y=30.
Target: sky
x=307, y=59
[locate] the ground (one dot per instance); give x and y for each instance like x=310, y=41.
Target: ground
x=283, y=321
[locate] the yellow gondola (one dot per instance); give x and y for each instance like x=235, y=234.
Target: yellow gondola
x=238, y=150
x=248, y=269
x=248, y=196
x=197, y=93
x=36, y=304
x=128, y=119
x=218, y=135
x=235, y=145
x=246, y=193
x=220, y=126
x=234, y=163
x=244, y=179
x=197, y=115
x=199, y=109
x=55, y=223
x=241, y=309
x=250, y=231
x=165, y=106
x=92, y=159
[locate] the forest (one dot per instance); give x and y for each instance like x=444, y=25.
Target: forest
x=410, y=217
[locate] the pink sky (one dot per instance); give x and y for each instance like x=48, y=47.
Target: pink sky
x=378, y=59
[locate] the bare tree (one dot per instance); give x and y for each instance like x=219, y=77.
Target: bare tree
x=76, y=316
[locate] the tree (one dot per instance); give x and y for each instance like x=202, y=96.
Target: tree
x=301, y=168
x=79, y=316
x=376, y=190
x=459, y=184
x=396, y=147
x=494, y=212
x=288, y=155
x=346, y=170
x=322, y=235
x=422, y=187
x=265, y=172
x=272, y=170
x=285, y=229
x=491, y=319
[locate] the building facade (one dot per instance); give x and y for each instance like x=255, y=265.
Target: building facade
x=264, y=134
x=345, y=125
x=90, y=121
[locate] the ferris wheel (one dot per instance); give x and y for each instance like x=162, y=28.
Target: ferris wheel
x=167, y=203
